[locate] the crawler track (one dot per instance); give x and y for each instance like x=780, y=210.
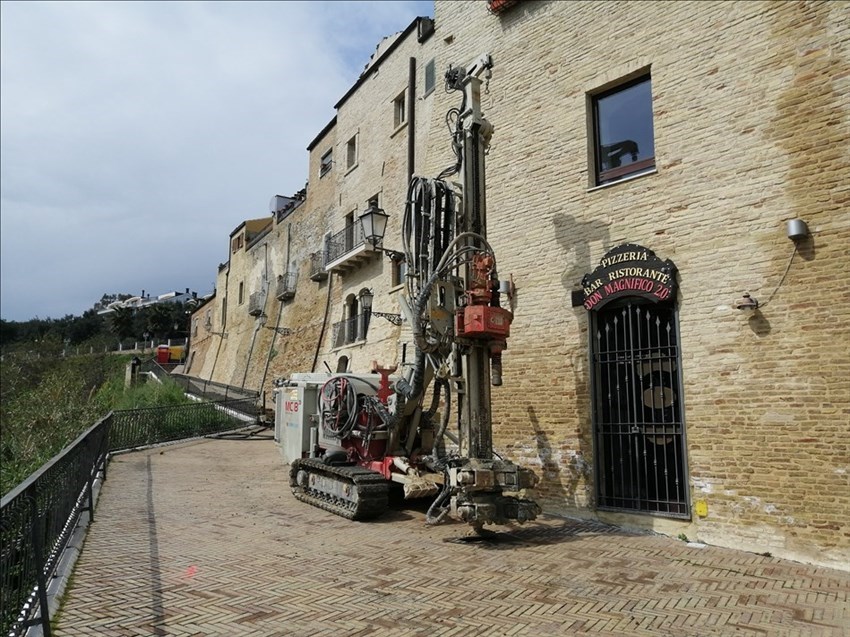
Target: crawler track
x=351, y=492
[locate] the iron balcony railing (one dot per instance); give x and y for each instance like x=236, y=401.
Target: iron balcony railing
x=350, y=330
x=255, y=304
x=345, y=241
x=285, y=286
x=317, y=267
x=38, y=517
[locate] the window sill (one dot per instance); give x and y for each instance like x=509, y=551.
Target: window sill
x=398, y=129
x=396, y=288
x=428, y=92
x=651, y=171
x=350, y=170
x=359, y=343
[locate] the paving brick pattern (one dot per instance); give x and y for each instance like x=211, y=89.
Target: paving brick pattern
x=204, y=538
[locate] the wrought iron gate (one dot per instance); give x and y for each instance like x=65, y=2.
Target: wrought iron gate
x=637, y=415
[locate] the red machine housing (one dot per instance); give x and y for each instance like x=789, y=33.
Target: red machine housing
x=484, y=321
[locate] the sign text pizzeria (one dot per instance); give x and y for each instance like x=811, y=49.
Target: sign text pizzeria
x=629, y=270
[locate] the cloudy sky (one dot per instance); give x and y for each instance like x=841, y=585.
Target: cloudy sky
x=136, y=135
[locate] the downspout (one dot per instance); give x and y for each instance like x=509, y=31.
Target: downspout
x=324, y=324
x=223, y=318
x=411, y=123
x=279, y=310
x=261, y=319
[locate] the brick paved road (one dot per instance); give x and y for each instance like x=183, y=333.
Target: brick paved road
x=204, y=538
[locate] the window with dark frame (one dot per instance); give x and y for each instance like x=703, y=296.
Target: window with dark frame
x=399, y=272
x=399, y=110
x=429, y=77
x=326, y=162
x=351, y=152
x=623, y=136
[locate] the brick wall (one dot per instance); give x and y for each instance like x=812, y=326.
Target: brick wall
x=750, y=105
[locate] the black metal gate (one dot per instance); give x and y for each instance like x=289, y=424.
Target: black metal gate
x=637, y=416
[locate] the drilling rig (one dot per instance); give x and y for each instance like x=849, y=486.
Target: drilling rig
x=350, y=436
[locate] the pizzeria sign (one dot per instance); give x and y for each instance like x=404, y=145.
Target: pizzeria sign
x=628, y=270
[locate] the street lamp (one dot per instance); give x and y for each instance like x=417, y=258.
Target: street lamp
x=374, y=224
x=366, y=298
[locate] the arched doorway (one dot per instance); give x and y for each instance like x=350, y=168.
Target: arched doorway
x=640, y=458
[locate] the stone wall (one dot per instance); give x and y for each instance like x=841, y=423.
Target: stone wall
x=750, y=111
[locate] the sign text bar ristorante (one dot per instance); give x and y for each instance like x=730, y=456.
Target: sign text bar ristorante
x=629, y=270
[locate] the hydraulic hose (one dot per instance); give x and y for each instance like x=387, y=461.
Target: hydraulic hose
x=444, y=420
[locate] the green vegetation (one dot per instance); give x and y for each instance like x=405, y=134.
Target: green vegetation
x=47, y=402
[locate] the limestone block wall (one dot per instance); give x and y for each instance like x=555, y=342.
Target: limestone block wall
x=750, y=113
x=201, y=337
x=381, y=168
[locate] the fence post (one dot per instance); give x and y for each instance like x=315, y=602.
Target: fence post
x=107, y=435
x=38, y=549
x=90, y=483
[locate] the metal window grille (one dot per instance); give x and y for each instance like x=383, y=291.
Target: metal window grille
x=637, y=417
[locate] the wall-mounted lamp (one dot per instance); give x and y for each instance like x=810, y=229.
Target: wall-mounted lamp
x=374, y=223
x=797, y=231
x=747, y=303
x=366, y=298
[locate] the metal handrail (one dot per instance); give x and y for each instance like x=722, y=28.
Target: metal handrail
x=38, y=517
x=36, y=521
x=212, y=390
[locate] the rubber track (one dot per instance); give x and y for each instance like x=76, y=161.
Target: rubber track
x=372, y=489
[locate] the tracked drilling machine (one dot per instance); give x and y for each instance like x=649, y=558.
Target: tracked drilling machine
x=353, y=435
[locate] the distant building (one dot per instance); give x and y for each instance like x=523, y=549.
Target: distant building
x=138, y=302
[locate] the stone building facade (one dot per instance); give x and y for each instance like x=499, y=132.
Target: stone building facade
x=646, y=161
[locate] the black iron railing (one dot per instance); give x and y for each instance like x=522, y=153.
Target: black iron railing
x=256, y=302
x=38, y=517
x=317, y=267
x=210, y=390
x=136, y=428
x=345, y=241
x=36, y=521
x=285, y=286
x=350, y=330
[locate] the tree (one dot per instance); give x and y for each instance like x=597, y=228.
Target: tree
x=121, y=322
x=159, y=320
x=87, y=326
